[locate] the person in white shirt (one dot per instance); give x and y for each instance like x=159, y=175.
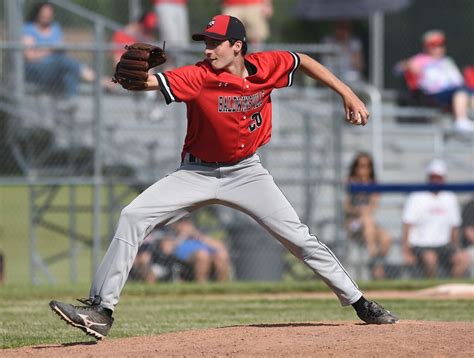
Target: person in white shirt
x=430, y=225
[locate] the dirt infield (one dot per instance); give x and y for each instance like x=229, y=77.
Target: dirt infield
x=306, y=339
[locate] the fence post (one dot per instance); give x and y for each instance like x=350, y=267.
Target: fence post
x=308, y=190
x=14, y=27
x=98, y=129
x=338, y=176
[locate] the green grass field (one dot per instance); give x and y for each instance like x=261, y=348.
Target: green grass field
x=25, y=318
x=14, y=234
x=154, y=309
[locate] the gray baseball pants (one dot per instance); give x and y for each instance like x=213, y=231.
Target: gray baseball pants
x=246, y=186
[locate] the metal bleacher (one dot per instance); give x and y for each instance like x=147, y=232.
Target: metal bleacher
x=145, y=135
x=407, y=149
x=310, y=151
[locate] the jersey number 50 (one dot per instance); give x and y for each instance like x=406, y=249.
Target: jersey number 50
x=256, y=121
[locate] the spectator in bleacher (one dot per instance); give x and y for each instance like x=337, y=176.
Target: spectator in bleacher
x=439, y=79
x=431, y=220
x=140, y=30
x=150, y=264
x=360, y=211
x=51, y=68
x=465, y=259
x=349, y=63
x=173, y=24
x=254, y=14
x=204, y=253
x=143, y=30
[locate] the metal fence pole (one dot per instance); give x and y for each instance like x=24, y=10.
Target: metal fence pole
x=73, y=231
x=338, y=176
x=32, y=233
x=134, y=10
x=98, y=132
x=14, y=25
x=307, y=154
x=376, y=49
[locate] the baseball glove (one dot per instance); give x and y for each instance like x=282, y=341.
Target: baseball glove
x=132, y=70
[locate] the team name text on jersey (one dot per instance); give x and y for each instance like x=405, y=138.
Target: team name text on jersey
x=239, y=103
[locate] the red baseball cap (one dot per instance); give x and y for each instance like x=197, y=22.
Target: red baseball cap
x=223, y=27
x=434, y=38
x=149, y=21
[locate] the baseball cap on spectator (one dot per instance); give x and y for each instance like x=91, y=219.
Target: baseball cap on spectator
x=149, y=21
x=223, y=27
x=436, y=167
x=434, y=38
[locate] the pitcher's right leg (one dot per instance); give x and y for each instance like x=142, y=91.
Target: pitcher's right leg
x=164, y=202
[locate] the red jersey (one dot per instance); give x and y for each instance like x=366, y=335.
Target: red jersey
x=241, y=2
x=179, y=2
x=229, y=117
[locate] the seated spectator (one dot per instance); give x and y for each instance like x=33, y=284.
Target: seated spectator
x=438, y=78
x=464, y=260
x=360, y=215
x=140, y=30
x=204, y=253
x=151, y=263
x=50, y=68
x=430, y=226
x=349, y=63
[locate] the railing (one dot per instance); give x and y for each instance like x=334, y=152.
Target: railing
x=99, y=48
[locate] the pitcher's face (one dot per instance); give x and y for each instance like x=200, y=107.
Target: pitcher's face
x=220, y=53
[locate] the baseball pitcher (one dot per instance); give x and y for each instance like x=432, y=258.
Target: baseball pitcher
x=229, y=115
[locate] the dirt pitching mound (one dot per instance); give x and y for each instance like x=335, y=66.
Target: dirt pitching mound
x=340, y=339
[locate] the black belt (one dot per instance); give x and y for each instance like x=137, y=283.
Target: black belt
x=196, y=160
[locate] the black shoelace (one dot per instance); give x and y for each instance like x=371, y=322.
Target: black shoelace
x=375, y=310
x=90, y=302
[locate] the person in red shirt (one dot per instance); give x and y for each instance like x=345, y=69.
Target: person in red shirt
x=229, y=114
x=141, y=30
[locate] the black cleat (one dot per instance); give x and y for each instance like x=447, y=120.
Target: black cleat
x=93, y=319
x=374, y=313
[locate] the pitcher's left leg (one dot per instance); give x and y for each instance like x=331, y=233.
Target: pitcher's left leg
x=252, y=190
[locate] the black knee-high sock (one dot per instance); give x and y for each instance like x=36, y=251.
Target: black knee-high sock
x=359, y=305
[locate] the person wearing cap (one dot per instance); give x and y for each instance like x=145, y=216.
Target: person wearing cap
x=437, y=76
x=430, y=225
x=229, y=115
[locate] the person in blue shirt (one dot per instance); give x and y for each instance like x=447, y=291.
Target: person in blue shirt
x=201, y=251
x=51, y=68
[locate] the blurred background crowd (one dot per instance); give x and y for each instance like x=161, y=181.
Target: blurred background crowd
x=75, y=146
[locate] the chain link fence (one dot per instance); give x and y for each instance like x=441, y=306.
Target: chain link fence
x=72, y=158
